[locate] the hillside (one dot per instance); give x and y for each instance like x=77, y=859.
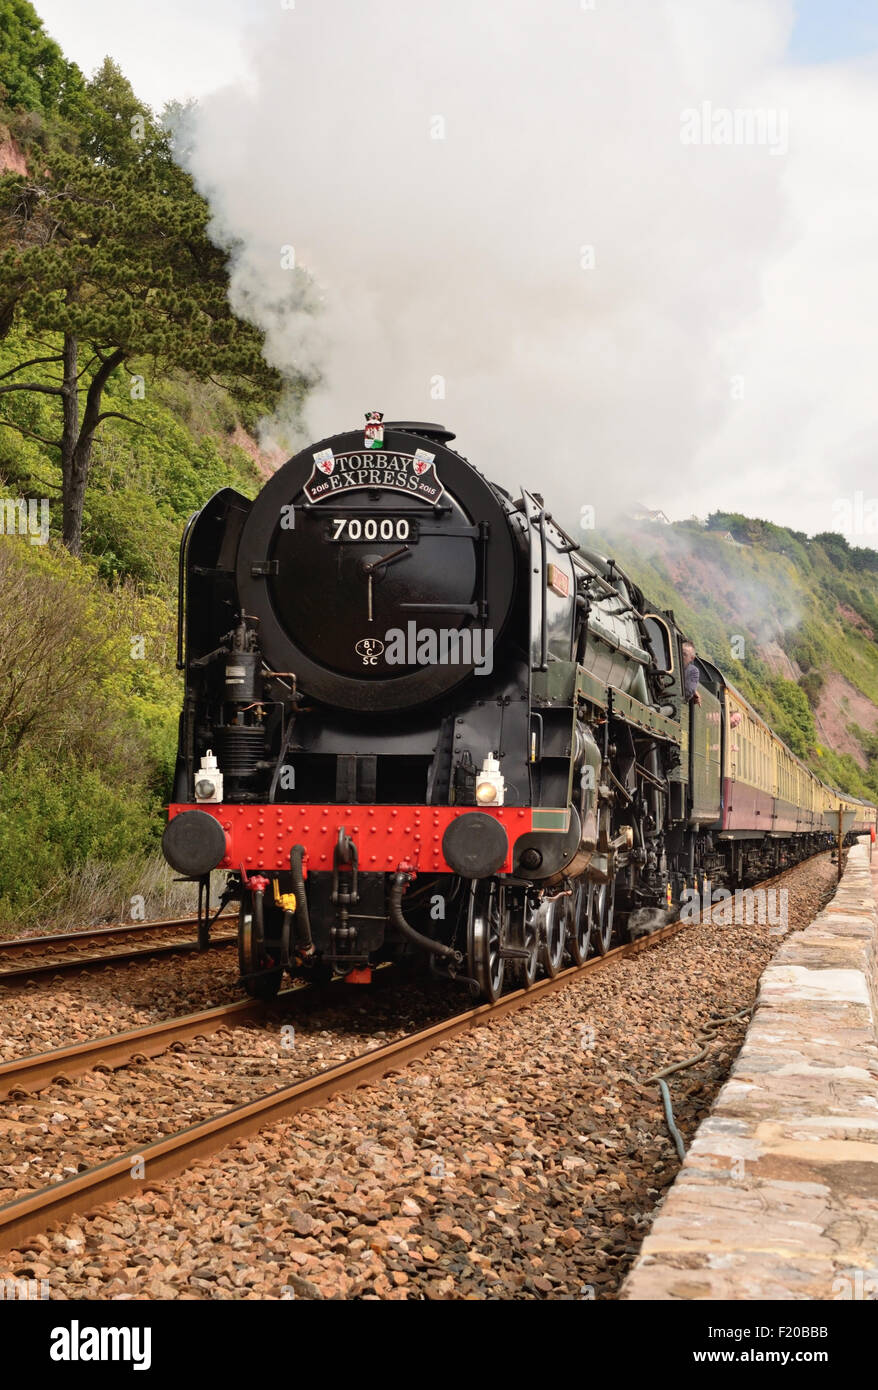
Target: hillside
x=792, y=621
x=89, y=694
x=90, y=700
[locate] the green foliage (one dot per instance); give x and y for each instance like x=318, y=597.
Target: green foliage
x=795, y=723
x=753, y=531
x=843, y=771
x=88, y=734
x=34, y=74
x=801, y=606
x=123, y=261
x=844, y=556
x=105, y=261
x=146, y=479
x=108, y=266
x=56, y=815
x=86, y=667
x=812, y=683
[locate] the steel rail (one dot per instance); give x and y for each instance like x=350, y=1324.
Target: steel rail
x=20, y=945
x=36, y=1070
x=27, y=1216
x=32, y=1073
x=65, y=964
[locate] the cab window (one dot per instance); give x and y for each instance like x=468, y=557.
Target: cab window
x=660, y=641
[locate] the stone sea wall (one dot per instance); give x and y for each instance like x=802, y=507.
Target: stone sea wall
x=778, y=1194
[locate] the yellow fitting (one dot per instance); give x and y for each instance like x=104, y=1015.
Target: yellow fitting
x=285, y=901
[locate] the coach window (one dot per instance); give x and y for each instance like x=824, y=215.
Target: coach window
x=743, y=749
x=762, y=759
x=742, y=757
x=761, y=733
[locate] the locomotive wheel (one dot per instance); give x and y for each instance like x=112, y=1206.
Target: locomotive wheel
x=552, y=918
x=580, y=923
x=601, y=907
x=255, y=962
x=526, y=970
x=486, y=933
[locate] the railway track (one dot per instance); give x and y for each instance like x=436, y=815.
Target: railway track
x=67, y=951
x=28, y=1075
x=151, y=1164
x=21, y=945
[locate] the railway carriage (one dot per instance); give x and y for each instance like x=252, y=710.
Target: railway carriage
x=419, y=717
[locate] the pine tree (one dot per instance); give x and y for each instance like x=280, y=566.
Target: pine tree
x=107, y=260
x=34, y=74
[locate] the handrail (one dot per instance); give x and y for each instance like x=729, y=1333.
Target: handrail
x=181, y=586
x=544, y=634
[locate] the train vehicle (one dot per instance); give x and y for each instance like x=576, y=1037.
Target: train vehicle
x=419, y=717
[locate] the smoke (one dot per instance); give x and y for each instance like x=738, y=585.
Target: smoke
x=484, y=213
x=760, y=599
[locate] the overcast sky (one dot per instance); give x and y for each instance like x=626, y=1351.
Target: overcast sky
x=614, y=301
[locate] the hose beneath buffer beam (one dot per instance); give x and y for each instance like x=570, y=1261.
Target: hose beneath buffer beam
x=426, y=943
x=304, y=939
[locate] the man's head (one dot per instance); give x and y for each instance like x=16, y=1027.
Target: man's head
x=688, y=652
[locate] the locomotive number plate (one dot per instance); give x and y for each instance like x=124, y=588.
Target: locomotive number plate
x=371, y=528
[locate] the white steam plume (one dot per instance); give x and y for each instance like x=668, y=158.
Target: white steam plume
x=442, y=172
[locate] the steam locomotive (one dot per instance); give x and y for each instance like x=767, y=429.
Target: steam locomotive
x=419, y=716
